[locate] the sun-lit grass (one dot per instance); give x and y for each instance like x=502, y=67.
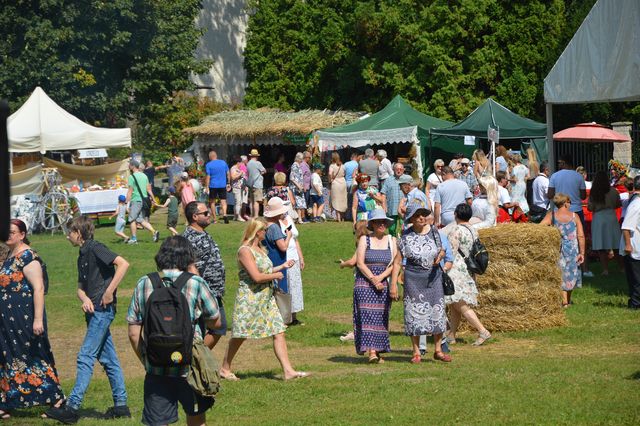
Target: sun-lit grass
x=585, y=373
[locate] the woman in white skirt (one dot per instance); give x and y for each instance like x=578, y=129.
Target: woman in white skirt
x=294, y=274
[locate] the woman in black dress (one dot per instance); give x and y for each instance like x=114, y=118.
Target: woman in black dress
x=28, y=376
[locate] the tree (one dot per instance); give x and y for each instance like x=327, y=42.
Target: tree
x=445, y=57
x=105, y=61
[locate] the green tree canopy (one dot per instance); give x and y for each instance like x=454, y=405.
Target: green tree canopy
x=446, y=57
x=104, y=61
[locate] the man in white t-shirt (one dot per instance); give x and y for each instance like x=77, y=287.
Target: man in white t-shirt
x=630, y=245
x=504, y=199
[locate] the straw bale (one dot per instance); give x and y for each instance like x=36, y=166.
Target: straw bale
x=266, y=121
x=521, y=288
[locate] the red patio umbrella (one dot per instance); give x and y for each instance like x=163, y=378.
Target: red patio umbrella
x=589, y=132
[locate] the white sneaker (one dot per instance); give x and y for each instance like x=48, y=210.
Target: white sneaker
x=132, y=241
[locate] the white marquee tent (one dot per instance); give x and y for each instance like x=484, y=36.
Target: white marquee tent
x=601, y=63
x=41, y=125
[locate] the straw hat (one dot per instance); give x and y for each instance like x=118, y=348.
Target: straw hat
x=414, y=207
x=254, y=153
x=362, y=177
x=379, y=214
x=275, y=207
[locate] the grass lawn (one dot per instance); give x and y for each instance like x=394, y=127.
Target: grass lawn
x=585, y=373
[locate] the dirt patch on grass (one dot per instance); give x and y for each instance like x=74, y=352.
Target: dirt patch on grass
x=256, y=357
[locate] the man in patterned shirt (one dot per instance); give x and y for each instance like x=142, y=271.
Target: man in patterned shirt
x=164, y=387
x=392, y=196
x=208, y=261
x=466, y=175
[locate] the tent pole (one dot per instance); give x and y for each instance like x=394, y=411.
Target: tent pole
x=550, y=144
x=430, y=151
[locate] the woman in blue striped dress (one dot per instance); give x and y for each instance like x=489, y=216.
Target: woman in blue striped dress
x=371, y=293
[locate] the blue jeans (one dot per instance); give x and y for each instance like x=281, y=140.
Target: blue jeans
x=98, y=344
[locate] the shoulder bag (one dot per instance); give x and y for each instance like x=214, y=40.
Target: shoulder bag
x=447, y=283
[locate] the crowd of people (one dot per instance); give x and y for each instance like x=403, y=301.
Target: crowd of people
x=410, y=234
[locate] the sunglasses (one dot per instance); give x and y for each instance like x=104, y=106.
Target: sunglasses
x=205, y=213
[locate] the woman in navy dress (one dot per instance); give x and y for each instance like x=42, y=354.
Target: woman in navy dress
x=371, y=292
x=28, y=376
x=420, y=250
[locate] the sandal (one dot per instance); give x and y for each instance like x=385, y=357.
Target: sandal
x=416, y=359
x=374, y=358
x=5, y=415
x=482, y=337
x=299, y=375
x=441, y=356
x=230, y=377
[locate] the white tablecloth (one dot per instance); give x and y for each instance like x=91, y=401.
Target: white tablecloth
x=98, y=201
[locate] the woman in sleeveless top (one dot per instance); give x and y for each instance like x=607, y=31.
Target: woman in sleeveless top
x=420, y=249
x=461, y=303
x=28, y=375
x=371, y=292
x=255, y=314
x=481, y=166
x=572, y=246
x=434, y=180
x=338, y=186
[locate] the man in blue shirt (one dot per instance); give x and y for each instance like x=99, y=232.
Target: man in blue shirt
x=350, y=168
x=568, y=181
x=217, y=183
x=392, y=196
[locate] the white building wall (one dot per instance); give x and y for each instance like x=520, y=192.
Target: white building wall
x=225, y=23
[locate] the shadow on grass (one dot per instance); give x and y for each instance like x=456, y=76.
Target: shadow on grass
x=258, y=375
x=634, y=376
x=88, y=413
x=609, y=304
x=395, y=356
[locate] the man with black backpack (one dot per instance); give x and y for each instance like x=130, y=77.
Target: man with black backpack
x=166, y=316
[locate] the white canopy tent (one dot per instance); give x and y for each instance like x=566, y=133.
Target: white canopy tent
x=601, y=63
x=41, y=125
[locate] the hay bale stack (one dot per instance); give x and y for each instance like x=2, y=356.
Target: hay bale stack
x=521, y=288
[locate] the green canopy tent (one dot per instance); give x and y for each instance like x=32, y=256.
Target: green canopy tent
x=397, y=122
x=509, y=124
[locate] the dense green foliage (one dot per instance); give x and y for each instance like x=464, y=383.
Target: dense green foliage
x=104, y=61
x=446, y=57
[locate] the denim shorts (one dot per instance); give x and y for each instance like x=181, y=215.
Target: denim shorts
x=222, y=331
x=316, y=199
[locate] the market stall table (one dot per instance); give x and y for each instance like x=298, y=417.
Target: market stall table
x=91, y=202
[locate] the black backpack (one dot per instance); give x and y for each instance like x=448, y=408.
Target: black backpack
x=478, y=259
x=168, y=329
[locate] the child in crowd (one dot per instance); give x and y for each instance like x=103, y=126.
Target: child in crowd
x=121, y=221
x=99, y=272
x=315, y=195
x=172, y=213
x=185, y=190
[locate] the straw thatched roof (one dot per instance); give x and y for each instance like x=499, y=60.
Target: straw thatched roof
x=260, y=122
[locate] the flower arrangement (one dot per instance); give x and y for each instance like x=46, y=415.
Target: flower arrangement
x=619, y=173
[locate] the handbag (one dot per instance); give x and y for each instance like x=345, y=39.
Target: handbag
x=448, y=286
x=447, y=283
x=146, y=201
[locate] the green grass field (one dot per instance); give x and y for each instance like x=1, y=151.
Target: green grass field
x=585, y=373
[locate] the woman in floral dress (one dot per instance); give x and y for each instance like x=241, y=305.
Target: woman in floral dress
x=461, y=237
x=572, y=246
x=256, y=315
x=296, y=183
x=421, y=249
x=28, y=375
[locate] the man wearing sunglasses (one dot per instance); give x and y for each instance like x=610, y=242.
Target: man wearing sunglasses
x=465, y=174
x=209, y=263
